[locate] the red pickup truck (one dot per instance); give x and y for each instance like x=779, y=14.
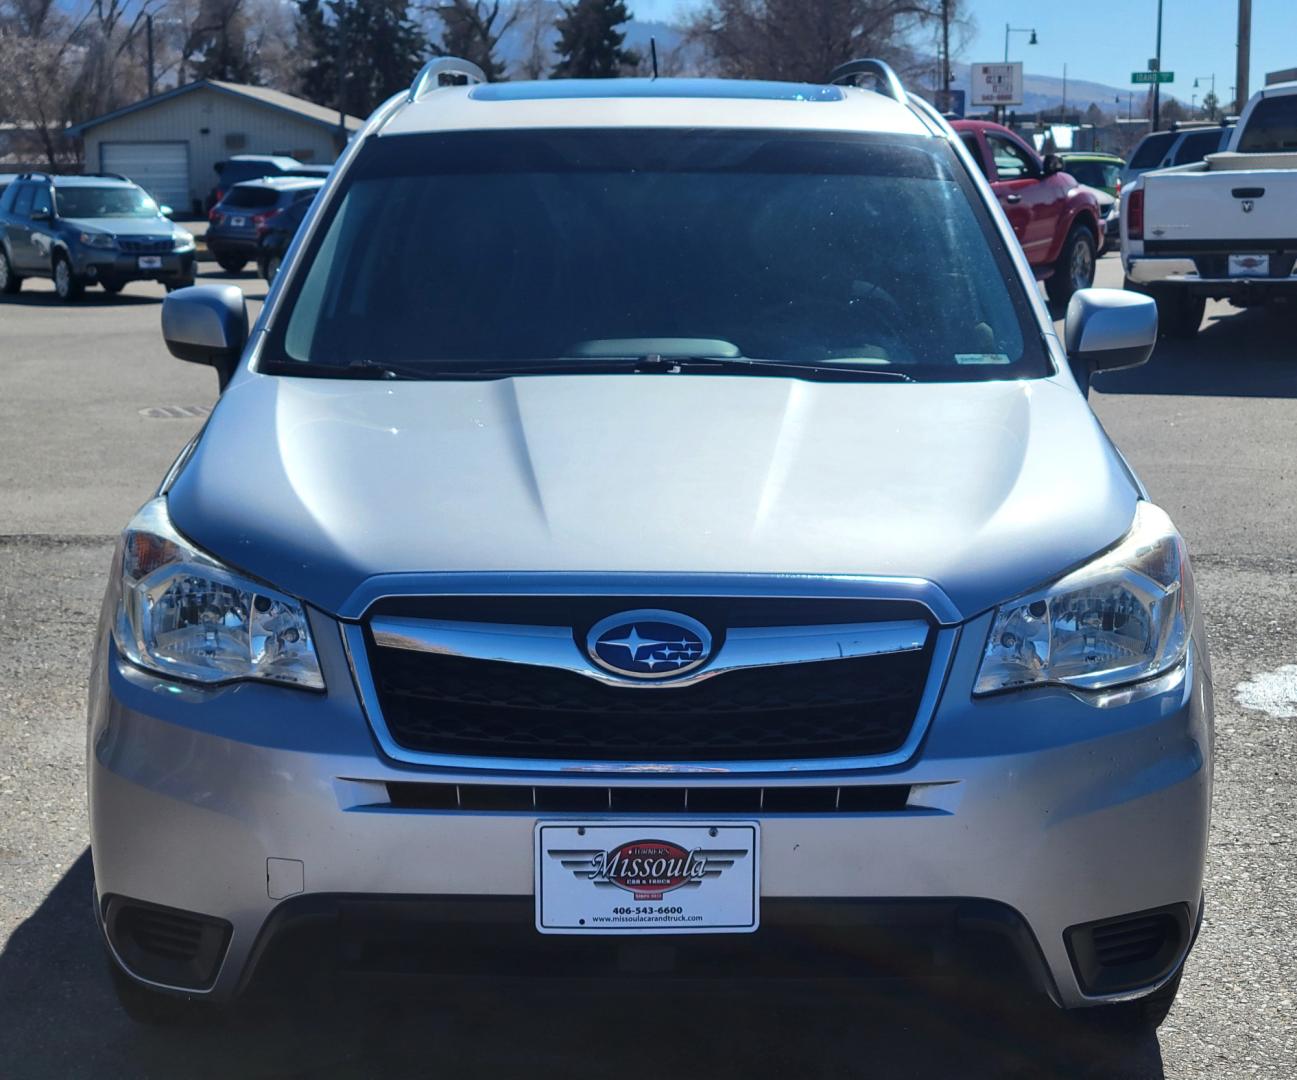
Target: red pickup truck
x=1055, y=218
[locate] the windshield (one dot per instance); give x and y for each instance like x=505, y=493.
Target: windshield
x=476, y=248
x=1272, y=127
x=1149, y=152
x=104, y=202
x=1099, y=174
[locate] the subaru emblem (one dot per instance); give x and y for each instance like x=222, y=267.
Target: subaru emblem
x=649, y=644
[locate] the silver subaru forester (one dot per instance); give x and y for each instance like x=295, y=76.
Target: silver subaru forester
x=652, y=509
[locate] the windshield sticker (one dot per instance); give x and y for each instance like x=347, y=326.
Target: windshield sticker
x=982, y=358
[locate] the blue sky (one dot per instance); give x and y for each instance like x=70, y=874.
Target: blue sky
x=1105, y=40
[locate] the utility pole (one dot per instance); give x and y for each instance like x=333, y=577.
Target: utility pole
x=148, y=35
x=342, y=76
x=1157, y=87
x=946, y=76
x=1244, y=53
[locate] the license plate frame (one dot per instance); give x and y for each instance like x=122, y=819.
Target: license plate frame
x=150, y=262
x=588, y=877
x=1249, y=266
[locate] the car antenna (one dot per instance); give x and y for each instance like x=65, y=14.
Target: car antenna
x=653, y=51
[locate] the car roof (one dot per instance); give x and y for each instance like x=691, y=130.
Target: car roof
x=261, y=159
x=92, y=180
x=667, y=103
x=281, y=183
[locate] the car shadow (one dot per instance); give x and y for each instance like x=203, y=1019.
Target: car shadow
x=61, y=1020
x=1239, y=353
x=93, y=298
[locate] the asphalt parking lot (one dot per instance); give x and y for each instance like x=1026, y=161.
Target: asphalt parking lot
x=92, y=410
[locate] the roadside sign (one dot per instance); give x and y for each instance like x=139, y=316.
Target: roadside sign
x=997, y=84
x=1152, y=76
x=949, y=102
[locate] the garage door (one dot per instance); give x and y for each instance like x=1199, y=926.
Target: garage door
x=160, y=168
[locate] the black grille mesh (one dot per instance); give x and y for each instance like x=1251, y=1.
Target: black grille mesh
x=443, y=704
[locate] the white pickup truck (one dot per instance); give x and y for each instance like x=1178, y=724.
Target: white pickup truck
x=1223, y=228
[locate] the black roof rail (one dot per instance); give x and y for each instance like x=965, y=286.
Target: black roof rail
x=880, y=70
x=444, y=71
x=37, y=173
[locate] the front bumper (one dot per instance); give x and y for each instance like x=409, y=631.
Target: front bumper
x=250, y=800
x=121, y=266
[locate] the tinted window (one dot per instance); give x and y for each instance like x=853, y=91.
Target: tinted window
x=41, y=203
x=464, y=249
x=1097, y=174
x=1196, y=146
x=23, y=201
x=1272, y=127
x=1012, y=162
x=101, y=202
x=1151, y=151
x=249, y=197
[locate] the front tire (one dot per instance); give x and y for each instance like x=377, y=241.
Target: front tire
x=1074, y=269
x=10, y=282
x=68, y=286
x=270, y=268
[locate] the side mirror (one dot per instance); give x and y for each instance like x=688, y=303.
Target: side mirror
x=165, y=210
x=42, y=215
x=1053, y=164
x=207, y=324
x=1108, y=329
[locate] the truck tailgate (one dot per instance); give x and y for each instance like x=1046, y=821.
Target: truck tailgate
x=1244, y=211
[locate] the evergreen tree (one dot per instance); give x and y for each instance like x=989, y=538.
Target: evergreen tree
x=589, y=43
x=471, y=30
x=382, y=49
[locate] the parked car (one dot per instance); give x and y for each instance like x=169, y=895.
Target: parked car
x=1221, y=228
x=1099, y=171
x=652, y=509
x=1182, y=146
x=238, y=221
x=6, y=179
x=243, y=167
x=1057, y=222
x=85, y=230
x=1109, y=214
x=275, y=235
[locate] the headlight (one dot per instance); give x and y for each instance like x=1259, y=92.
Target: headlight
x=1123, y=617
x=98, y=240
x=184, y=615
x=183, y=241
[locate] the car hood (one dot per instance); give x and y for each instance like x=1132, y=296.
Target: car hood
x=124, y=226
x=985, y=489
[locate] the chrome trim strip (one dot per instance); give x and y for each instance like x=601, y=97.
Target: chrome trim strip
x=636, y=584
x=466, y=765
x=556, y=647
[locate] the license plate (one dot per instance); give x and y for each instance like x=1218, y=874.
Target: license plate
x=237, y=222
x=1249, y=266
x=150, y=262
x=647, y=877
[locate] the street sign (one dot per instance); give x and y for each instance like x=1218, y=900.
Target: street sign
x=997, y=84
x=1152, y=76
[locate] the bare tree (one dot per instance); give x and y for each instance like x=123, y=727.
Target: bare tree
x=535, y=25
x=805, y=39
x=471, y=30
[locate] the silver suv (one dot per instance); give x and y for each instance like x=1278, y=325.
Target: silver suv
x=652, y=509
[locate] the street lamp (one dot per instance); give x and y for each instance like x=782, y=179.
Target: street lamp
x=1016, y=30
x=1215, y=102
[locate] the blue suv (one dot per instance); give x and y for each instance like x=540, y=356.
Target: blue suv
x=82, y=230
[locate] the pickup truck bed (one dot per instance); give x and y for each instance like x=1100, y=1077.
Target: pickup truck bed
x=1223, y=228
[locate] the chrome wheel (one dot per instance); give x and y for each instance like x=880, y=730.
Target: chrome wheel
x=1082, y=265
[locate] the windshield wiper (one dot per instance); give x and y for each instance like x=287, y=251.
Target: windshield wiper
x=655, y=364
x=360, y=369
